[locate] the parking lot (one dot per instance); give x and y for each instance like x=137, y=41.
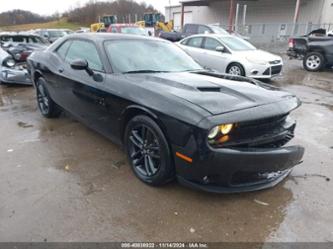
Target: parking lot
x=61, y=181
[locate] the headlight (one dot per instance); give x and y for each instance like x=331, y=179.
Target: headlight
x=219, y=131
x=213, y=132
x=10, y=62
x=256, y=61
x=226, y=128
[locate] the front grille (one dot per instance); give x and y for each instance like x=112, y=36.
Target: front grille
x=276, y=69
x=275, y=62
x=273, y=70
x=273, y=132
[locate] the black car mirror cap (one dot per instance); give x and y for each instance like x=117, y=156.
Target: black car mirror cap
x=80, y=64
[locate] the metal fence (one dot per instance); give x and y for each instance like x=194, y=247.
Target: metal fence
x=275, y=36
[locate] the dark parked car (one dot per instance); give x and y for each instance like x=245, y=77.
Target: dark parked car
x=215, y=132
x=194, y=29
x=52, y=34
x=315, y=49
x=14, y=50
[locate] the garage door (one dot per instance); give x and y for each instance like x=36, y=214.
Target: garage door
x=188, y=17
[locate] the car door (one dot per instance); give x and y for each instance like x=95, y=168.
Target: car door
x=84, y=95
x=329, y=51
x=213, y=59
x=193, y=47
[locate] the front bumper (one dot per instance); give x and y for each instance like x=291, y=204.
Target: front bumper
x=239, y=170
x=268, y=71
x=15, y=76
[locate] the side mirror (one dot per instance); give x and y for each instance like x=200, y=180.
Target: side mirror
x=220, y=49
x=80, y=64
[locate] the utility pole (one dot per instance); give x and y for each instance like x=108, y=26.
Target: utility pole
x=296, y=15
x=236, y=18
x=244, y=14
x=231, y=15
x=182, y=16
x=169, y=10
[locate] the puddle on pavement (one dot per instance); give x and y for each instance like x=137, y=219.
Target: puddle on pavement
x=24, y=125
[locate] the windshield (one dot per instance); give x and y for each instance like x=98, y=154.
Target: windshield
x=133, y=30
x=56, y=33
x=148, y=55
x=237, y=44
x=218, y=30
x=24, y=39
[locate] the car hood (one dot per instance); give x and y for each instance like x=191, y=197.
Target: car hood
x=259, y=54
x=213, y=94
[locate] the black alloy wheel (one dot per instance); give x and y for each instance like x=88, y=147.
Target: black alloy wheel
x=47, y=107
x=148, y=151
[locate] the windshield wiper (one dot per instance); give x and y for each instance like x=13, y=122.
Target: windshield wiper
x=145, y=71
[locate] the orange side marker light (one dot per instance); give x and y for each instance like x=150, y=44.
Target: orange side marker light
x=185, y=158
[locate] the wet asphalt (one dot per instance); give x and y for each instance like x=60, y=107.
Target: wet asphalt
x=60, y=181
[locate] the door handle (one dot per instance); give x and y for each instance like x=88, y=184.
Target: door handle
x=61, y=70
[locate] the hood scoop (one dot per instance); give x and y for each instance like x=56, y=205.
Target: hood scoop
x=209, y=89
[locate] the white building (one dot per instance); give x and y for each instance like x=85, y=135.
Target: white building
x=268, y=12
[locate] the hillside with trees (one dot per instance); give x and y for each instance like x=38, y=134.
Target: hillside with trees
x=17, y=17
x=125, y=10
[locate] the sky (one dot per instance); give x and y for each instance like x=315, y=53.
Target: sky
x=47, y=7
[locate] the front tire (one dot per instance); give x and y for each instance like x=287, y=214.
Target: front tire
x=314, y=62
x=148, y=151
x=46, y=105
x=236, y=69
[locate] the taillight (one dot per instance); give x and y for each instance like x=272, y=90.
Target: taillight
x=291, y=43
x=22, y=56
x=25, y=55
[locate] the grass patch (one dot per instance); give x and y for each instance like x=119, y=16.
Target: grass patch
x=61, y=24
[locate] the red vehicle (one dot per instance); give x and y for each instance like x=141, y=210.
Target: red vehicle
x=127, y=28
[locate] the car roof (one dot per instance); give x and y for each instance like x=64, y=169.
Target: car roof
x=210, y=35
x=110, y=36
x=18, y=34
x=49, y=29
x=124, y=25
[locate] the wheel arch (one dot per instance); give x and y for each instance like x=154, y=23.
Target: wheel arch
x=317, y=50
x=235, y=62
x=135, y=110
x=37, y=74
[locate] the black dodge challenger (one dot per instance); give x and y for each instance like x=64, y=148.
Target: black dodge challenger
x=211, y=131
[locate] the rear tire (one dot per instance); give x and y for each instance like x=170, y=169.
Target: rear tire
x=236, y=69
x=314, y=62
x=46, y=105
x=148, y=151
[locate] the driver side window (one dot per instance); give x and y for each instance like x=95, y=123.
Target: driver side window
x=87, y=51
x=195, y=42
x=211, y=44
